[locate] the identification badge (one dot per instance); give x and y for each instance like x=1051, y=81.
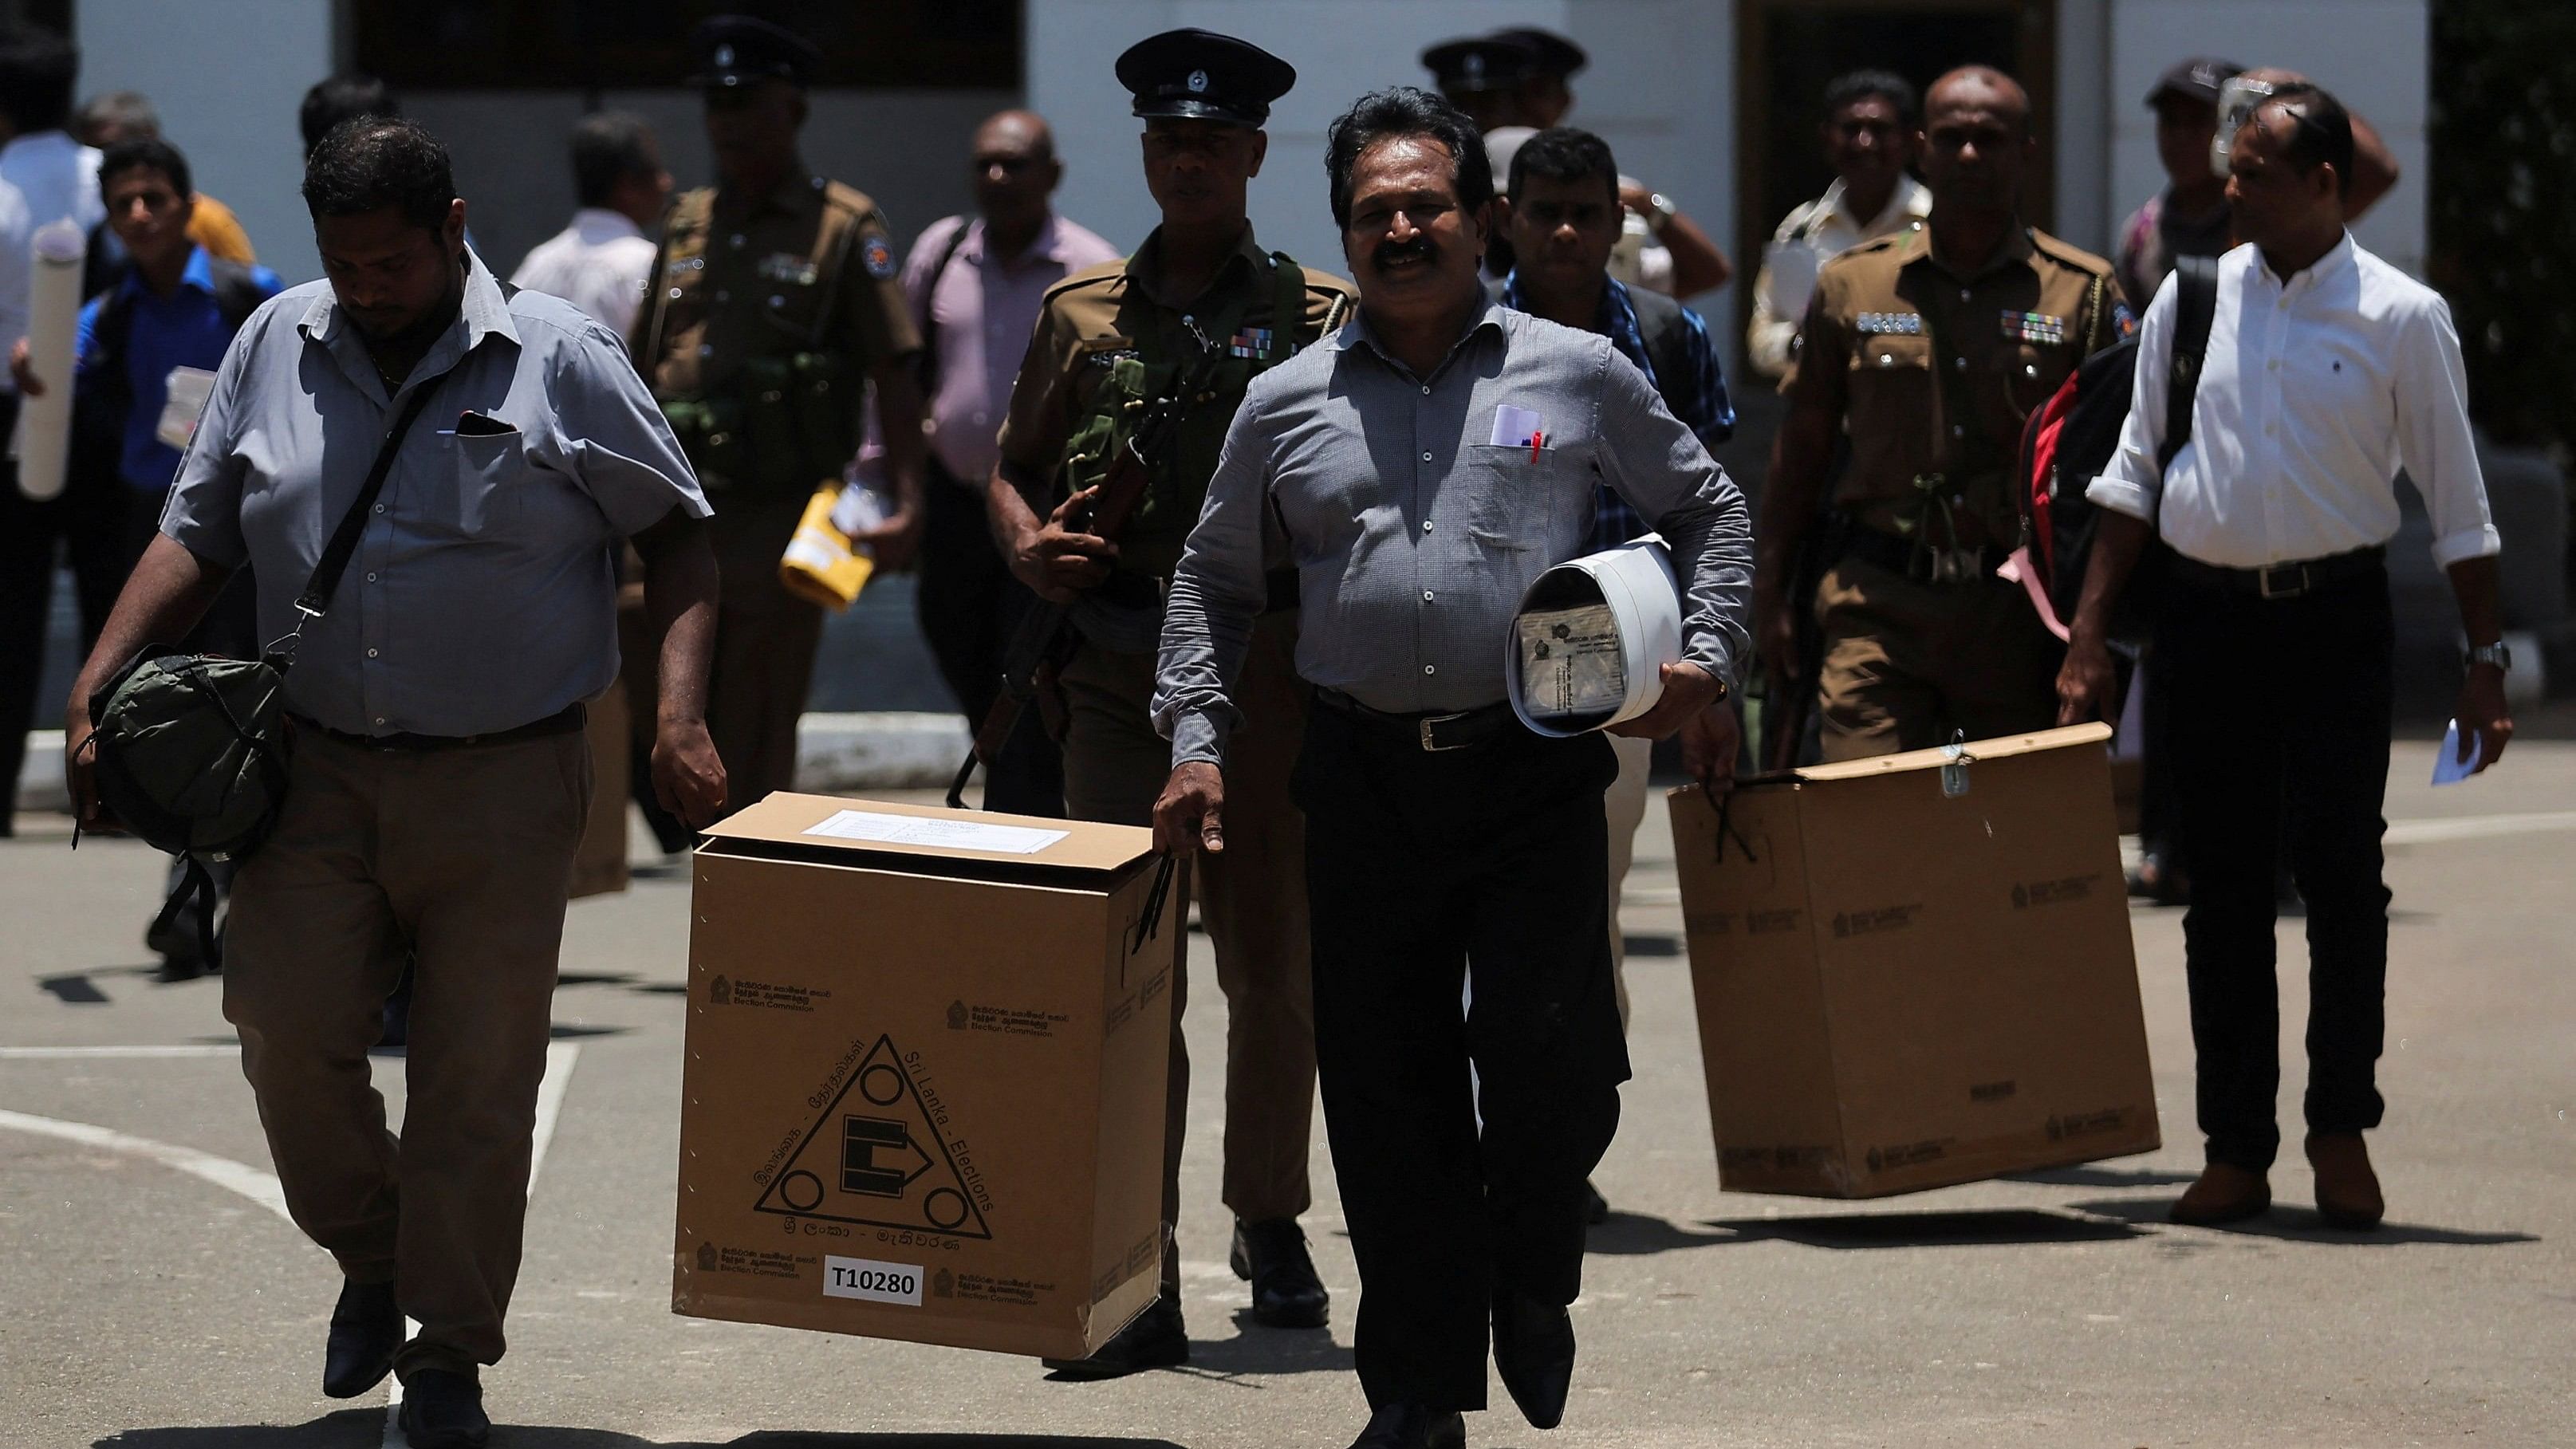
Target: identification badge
x=2034, y=327
x=185, y=403
x=1890, y=324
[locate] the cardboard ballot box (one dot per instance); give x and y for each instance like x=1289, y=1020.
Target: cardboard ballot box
x=926, y=1059
x=1916, y=970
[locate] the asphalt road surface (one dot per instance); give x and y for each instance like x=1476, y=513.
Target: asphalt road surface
x=152, y=1295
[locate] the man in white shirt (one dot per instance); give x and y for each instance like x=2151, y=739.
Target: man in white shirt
x=58, y=175
x=2327, y=370
x=1868, y=131
x=603, y=261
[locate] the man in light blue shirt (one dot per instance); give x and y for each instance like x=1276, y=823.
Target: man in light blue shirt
x=440, y=780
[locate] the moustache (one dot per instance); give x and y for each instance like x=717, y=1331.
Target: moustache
x=1390, y=253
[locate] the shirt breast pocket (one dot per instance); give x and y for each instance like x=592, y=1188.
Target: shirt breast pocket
x=1890, y=369
x=1515, y=503
x=484, y=478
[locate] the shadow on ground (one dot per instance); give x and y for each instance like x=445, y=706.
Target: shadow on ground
x=2096, y=1175
x=353, y=1427
x=2302, y=1225
x=1635, y=1234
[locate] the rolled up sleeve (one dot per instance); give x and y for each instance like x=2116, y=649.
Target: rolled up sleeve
x=2131, y=482
x=1652, y=460
x=2433, y=437
x=203, y=513
x=1216, y=593
x=616, y=441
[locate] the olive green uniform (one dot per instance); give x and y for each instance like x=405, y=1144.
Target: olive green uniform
x=766, y=316
x=1103, y=338
x=1933, y=373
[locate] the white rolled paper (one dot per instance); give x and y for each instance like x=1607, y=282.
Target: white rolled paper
x=1591, y=637
x=44, y=442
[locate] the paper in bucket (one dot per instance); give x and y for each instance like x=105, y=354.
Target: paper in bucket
x=1591, y=637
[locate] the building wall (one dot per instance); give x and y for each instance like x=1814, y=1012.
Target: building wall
x=227, y=79
x=1656, y=90
x=2370, y=53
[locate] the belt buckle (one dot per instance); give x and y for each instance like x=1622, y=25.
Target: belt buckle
x=1427, y=721
x=2297, y=574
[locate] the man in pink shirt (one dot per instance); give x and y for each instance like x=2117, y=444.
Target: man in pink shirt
x=976, y=287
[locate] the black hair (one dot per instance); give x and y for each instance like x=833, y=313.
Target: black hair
x=37, y=71
x=146, y=152
x=130, y=112
x=609, y=147
x=1564, y=153
x=1406, y=111
x=2320, y=131
x=1887, y=86
x=373, y=162
x=342, y=98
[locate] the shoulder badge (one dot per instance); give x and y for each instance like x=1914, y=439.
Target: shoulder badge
x=877, y=256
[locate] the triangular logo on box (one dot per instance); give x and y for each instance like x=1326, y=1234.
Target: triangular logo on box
x=875, y=1157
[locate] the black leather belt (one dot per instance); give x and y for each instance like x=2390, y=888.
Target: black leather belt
x=570, y=720
x=1435, y=733
x=1143, y=591
x=2281, y=580
x=1924, y=565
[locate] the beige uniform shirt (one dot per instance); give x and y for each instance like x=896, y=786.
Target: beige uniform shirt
x=1809, y=237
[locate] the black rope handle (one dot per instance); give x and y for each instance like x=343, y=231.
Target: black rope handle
x=1150, y=924
x=1726, y=825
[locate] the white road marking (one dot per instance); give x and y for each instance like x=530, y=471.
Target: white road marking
x=260, y=1187
x=263, y=1187
x=2476, y=827
x=560, y=1057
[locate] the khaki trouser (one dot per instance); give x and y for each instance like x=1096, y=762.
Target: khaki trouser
x=764, y=656
x=1908, y=663
x=1625, y=805
x=1252, y=896
x=461, y=859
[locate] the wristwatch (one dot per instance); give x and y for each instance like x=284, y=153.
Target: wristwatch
x=2495, y=654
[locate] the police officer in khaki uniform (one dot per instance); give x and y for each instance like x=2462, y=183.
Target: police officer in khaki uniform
x=774, y=304
x=1109, y=337
x=1928, y=349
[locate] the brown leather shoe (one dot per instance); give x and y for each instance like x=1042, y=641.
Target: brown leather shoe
x=2223, y=1194
x=2347, y=1190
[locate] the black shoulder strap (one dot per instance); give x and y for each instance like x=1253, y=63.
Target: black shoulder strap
x=237, y=292
x=316, y=598
x=929, y=296
x=2195, y=304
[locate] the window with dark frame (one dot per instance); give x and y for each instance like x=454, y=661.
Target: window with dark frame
x=643, y=44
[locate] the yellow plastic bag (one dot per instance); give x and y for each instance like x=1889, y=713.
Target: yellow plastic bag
x=820, y=566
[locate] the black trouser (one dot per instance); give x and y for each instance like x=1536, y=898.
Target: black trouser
x=1425, y=872
x=84, y=525
x=2280, y=723
x=969, y=605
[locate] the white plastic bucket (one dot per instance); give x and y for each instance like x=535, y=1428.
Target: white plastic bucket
x=1636, y=584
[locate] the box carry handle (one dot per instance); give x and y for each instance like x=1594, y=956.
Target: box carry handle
x=1725, y=806
x=1150, y=924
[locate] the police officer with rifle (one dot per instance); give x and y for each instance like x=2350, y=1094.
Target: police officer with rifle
x=1143, y=362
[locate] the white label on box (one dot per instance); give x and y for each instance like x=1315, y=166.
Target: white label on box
x=943, y=834
x=872, y=1281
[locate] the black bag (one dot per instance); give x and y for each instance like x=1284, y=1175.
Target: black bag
x=2068, y=443
x=188, y=751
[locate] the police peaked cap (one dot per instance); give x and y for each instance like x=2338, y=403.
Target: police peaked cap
x=1482, y=63
x=735, y=50
x=1203, y=76
x=1557, y=56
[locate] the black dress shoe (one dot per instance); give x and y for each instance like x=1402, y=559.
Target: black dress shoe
x=1411, y=1426
x=1534, y=1353
x=366, y=1328
x=1155, y=1340
x=444, y=1410
x=1272, y=1257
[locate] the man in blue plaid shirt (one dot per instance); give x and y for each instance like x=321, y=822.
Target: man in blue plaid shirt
x=1562, y=209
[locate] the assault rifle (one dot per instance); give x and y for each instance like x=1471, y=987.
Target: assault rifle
x=1046, y=638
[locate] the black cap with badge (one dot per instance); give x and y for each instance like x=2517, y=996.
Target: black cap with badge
x=1200, y=75
x=1482, y=63
x=1557, y=56
x=736, y=50
x=2197, y=79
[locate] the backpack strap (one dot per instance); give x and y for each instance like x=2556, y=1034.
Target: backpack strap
x=929, y=363
x=237, y=292
x=2195, y=306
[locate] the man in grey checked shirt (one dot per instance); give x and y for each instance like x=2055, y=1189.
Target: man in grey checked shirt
x=439, y=780
x=1442, y=837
